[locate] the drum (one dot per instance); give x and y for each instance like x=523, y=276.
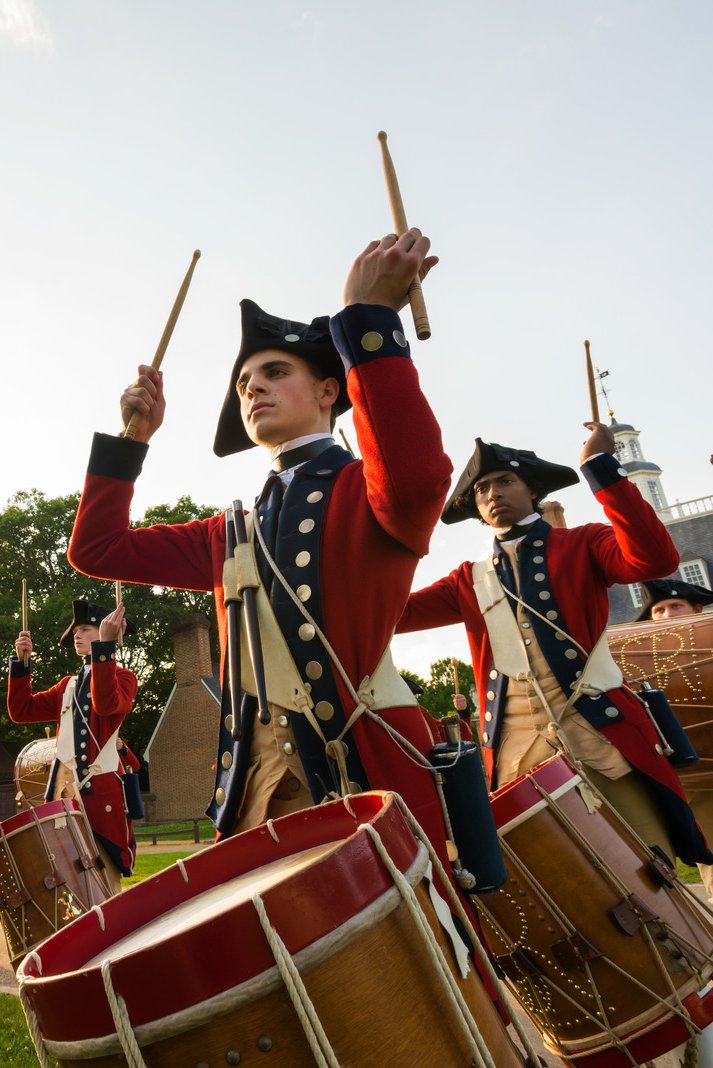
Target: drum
x=602, y=945
x=675, y=656
x=49, y=873
x=32, y=771
x=189, y=967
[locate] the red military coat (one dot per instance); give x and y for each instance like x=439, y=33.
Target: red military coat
x=580, y=564
x=112, y=691
x=377, y=524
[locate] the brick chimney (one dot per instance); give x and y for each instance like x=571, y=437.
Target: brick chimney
x=553, y=512
x=191, y=649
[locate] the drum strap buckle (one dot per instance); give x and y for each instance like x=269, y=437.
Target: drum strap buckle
x=631, y=913
x=572, y=952
x=16, y=898
x=53, y=879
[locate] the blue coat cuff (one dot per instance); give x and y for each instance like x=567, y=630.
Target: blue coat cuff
x=103, y=651
x=367, y=332
x=18, y=669
x=114, y=457
x=603, y=471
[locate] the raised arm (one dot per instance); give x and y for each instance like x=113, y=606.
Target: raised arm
x=433, y=606
x=406, y=470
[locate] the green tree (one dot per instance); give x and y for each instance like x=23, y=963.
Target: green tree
x=438, y=690
x=34, y=534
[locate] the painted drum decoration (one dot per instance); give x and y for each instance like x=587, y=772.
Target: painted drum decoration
x=187, y=967
x=32, y=771
x=603, y=946
x=49, y=873
x=676, y=657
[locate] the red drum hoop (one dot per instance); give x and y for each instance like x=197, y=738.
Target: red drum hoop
x=49, y=873
x=32, y=771
x=188, y=956
x=677, y=657
x=602, y=945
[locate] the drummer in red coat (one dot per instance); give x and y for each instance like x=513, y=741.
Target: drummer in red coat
x=89, y=710
x=345, y=535
x=536, y=614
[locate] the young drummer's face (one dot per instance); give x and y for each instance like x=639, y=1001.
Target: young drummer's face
x=672, y=607
x=502, y=498
x=83, y=636
x=280, y=398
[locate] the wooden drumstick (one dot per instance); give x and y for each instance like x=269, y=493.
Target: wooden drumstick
x=130, y=431
x=591, y=382
x=117, y=595
x=454, y=665
x=345, y=439
x=25, y=659
x=415, y=292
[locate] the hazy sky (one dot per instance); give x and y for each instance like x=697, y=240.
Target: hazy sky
x=558, y=153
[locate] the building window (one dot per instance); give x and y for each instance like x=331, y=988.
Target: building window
x=635, y=591
x=635, y=449
x=620, y=451
x=654, y=493
x=695, y=571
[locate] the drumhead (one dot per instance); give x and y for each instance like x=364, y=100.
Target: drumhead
x=213, y=902
x=32, y=769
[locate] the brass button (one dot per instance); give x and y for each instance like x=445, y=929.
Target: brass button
x=315, y=496
x=304, y=592
x=284, y=721
x=293, y=784
x=227, y=760
x=102, y=658
x=325, y=471
x=525, y=625
x=491, y=695
x=488, y=717
x=314, y=669
x=306, y=632
x=538, y=559
x=551, y=614
x=306, y=526
x=220, y=796
x=486, y=737
x=292, y=337
x=288, y=748
x=528, y=641
x=399, y=338
x=228, y=721
x=324, y=710
x=611, y=712
x=560, y=636
x=540, y=576
x=659, y=749
x=545, y=595
x=303, y=558
x=571, y=654
x=107, y=808
x=372, y=341
x=538, y=544
x=493, y=674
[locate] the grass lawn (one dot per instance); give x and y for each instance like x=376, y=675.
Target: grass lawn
x=686, y=874
x=148, y=864
x=16, y=1049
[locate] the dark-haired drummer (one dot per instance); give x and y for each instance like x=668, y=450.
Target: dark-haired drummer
x=89, y=710
x=345, y=536
x=536, y=613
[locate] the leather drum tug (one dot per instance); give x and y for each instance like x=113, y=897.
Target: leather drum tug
x=676, y=657
x=601, y=943
x=189, y=967
x=50, y=873
x=32, y=771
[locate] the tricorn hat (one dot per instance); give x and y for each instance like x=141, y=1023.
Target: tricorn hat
x=260, y=331
x=542, y=475
x=666, y=589
x=86, y=614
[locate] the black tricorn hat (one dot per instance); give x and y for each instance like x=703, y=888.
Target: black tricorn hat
x=86, y=614
x=666, y=589
x=260, y=331
x=541, y=475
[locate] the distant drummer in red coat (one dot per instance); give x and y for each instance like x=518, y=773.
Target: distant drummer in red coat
x=344, y=537
x=89, y=710
x=536, y=613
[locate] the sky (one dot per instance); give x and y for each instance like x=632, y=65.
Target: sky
x=557, y=152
